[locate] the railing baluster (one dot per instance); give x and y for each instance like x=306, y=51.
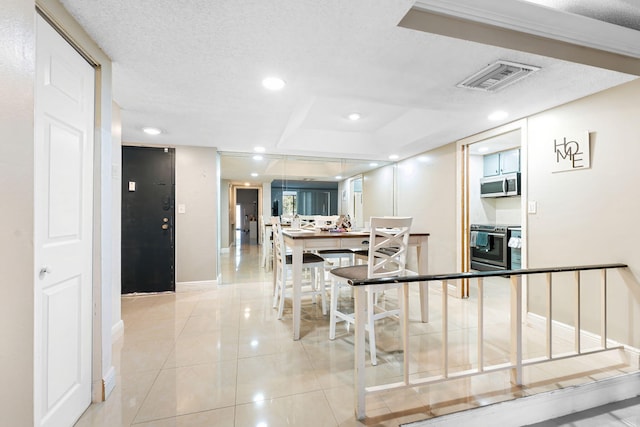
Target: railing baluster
x=404, y=324
x=549, y=316
x=516, y=328
x=480, y=324
x=577, y=312
x=445, y=329
x=603, y=309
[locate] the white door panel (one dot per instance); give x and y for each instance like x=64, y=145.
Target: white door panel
x=64, y=114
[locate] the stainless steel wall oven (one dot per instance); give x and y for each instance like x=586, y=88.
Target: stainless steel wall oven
x=489, y=247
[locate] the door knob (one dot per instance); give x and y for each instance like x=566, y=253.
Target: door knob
x=44, y=270
x=165, y=226
x=165, y=219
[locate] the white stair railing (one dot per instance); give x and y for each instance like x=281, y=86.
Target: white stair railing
x=516, y=362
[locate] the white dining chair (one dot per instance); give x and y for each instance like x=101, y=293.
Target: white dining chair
x=386, y=257
x=283, y=287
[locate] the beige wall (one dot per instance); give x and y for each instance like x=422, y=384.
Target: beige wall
x=225, y=234
x=589, y=216
x=426, y=191
x=196, y=229
x=378, y=192
x=583, y=217
x=423, y=187
x=17, y=58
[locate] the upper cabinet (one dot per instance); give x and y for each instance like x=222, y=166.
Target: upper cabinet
x=502, y=162
x=510, y=161
x=491, y=164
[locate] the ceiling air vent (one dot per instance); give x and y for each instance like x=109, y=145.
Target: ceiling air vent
x=497, y=75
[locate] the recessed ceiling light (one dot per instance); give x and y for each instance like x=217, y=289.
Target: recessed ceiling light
x=354, y=116
x=258, y=149
x=151, y=131
x=498, y=115
x=273, y=83
x=483, y=149
x=393, y=157
x=373, y=165
x=257, y=157
x=246, y=184
x=253, y=174
x=338, y=176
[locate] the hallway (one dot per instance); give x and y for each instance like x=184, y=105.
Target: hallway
x=217, y=356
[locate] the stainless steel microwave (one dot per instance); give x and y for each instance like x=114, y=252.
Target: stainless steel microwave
x=501, y=185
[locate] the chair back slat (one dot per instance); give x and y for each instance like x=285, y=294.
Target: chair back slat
x=278, y=242
x=388, y=244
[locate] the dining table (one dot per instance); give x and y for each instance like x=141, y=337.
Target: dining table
x=301, y=240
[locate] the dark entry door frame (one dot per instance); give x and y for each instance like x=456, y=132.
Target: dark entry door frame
x=148, y=218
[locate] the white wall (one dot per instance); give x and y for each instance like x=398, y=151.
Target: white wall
x=117, y=326
x=481, y=210
x=196, y=229
x=589, y=216
x=16, y=192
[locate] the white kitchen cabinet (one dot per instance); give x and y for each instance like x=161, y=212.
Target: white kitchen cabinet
x=501, y=162
x=510, y=161
x=491, y=164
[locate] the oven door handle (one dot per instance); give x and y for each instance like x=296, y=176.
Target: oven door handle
x=497, y=234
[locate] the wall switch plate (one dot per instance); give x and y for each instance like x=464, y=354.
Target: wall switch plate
x=132, y=186
x=532, y=207
x=182, y=209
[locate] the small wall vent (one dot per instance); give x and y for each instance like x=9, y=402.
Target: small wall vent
x=497, y=76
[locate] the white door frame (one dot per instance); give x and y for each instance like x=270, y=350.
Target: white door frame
x=463, y=191
x=103, y=372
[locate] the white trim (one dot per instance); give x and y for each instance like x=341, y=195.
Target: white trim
x=567, y=332
x=109, y=382
x=198, y=283
x=117, y=331
x=543, y=406
x=541, y=21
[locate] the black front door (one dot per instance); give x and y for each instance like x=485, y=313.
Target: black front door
x=148, y=192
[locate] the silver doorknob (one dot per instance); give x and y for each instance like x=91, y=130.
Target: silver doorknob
x=165, y=226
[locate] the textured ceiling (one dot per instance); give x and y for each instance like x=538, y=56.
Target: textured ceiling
x=624, y=13
x=193, y=69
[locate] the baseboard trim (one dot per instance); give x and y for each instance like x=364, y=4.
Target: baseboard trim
x=197, y=283
x=567, y=331
x=108, y=383
x=543, y=406
x=117, y=331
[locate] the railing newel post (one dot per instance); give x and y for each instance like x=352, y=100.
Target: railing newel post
x=445, y=329
x=603, y=308
x=549, y=316
x=577, y=313
x=516, y=328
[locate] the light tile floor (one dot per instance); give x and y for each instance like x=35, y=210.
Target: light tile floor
x=217, y=356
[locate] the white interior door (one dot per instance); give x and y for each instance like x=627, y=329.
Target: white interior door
x=64, y=123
